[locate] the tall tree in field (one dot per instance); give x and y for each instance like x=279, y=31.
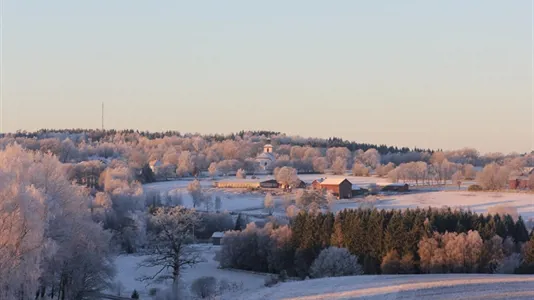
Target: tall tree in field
x=195, y=190
x=268, y=203
x=371, y=158
x=287, y=176
x=457, y=178
x=359, y=169
x=339, y=166
x=170, y=249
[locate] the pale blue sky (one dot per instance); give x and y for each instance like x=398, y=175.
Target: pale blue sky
x=438, y=74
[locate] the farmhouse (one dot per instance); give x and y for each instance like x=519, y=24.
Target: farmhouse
x=396, y=187
x=269, y=184
x=521, y=182
x=316, y=184
x=340, y=187
x=216, y=237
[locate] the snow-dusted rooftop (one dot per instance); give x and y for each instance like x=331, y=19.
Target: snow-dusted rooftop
x=217, y=234
x=333, y=181
x=397, y=184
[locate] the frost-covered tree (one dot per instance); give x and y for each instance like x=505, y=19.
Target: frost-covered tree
x=218, y=203
x=169, y=243
x=208, y=202
x=268, y=203
x=509, y=264
x=371, y=158
x=195, y=190
x=339, y=166
x=204, y=287
x=383, y=170
x=319, y=164
x=241, y=174
x=335, y=262
x=22, y=240
x=457, y=178
x=359, y=169
x=213, y=169
x=292, y=211
x=286, y=176
x=48, y=242
x=504, y=210
x=493, y=177
x=307, y=198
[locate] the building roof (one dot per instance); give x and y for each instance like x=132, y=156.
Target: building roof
x=522, y=177
x=268, y=146
x=333, y=181
x=155, y=163
x=266, y=155
x=217, y=234
x=397, y=184
x=356, y=187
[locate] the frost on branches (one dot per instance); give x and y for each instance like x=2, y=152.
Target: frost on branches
x=169, y=244
x=334, y=262
x=49, y=246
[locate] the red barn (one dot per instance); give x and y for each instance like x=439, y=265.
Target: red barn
x=340, y=187
x=518, y=183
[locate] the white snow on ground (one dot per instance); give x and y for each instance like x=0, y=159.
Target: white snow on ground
x=435, y=287
x=475, y=201
x=242, y=200
x=128, y=273
x=230, y=200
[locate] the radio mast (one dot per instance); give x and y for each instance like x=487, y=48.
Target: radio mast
x=102, y=116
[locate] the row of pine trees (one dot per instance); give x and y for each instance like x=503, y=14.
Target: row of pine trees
x=372, y=234
x=387, y=242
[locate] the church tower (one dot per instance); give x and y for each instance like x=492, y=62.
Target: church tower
x=268, y=148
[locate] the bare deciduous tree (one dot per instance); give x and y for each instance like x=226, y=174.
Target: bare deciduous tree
x=170, y=249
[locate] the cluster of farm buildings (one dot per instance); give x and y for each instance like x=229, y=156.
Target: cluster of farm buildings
x=339, y=187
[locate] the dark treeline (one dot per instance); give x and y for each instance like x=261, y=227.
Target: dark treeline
x=385, y=241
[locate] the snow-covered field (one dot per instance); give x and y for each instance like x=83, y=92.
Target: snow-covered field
x=435, y=287
x=475, y=201
x=129, y=272
x=231, y=200
x=239, y=200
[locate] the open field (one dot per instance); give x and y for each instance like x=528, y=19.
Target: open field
x=475, y=201
x=435, y=287
x=129, y=272
x=243, y=200
x=372, y=287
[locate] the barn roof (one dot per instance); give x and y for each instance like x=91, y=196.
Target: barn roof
x=333, y=181
x=217, y=234
x=397, y=184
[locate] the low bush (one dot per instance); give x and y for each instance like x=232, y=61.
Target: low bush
x=204, y=287
x=475, y=188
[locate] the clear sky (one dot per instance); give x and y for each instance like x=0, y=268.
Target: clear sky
x=438, y=74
